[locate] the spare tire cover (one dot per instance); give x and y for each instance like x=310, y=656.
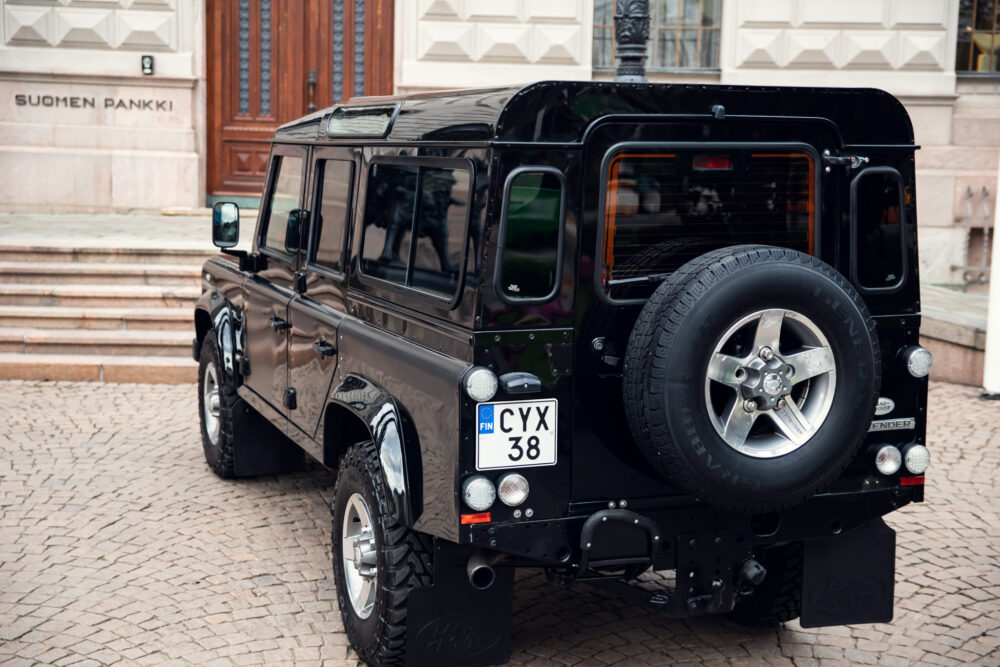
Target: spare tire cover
x=751, y=377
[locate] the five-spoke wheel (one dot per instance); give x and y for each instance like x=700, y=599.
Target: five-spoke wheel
x=774, y=363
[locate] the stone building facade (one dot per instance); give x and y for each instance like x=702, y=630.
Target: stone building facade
x=82, y=128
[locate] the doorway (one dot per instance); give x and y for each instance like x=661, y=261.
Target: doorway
x=271, y=61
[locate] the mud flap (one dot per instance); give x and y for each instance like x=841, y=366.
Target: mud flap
x=454, y=623
x=849, y=578
x=262, y=449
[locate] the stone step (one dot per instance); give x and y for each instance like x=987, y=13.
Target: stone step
x=96, y=342
x=73, y=317
x=103, y=296
x=77, y=252
x=98, y=368
x=99, y=273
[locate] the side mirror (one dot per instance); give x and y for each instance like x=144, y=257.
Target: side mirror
x=225, y=224
x=293, y=231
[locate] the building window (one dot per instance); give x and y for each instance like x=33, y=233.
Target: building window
x=978, y=36
x=683, y=34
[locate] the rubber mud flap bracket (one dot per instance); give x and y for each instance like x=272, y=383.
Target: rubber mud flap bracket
x=849, y=578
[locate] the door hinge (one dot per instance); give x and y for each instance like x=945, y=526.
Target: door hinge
x=244, y=364
x=290, y=402
x=852, y=161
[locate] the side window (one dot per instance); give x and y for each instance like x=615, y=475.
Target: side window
x=529, y=253
x=877, y=206
x=415, y=226
x=284, y=199
x=330, y=220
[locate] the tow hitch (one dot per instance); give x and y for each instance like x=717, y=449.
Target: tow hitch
x=711, y=567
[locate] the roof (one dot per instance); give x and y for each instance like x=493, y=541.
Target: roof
x=561, y=111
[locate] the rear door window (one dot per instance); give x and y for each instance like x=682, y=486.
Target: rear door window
x=663, y=206
x=334, y=204
x=530, y=252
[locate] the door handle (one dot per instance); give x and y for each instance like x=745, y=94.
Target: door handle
x=279, y=324
x=312, y=91
x=324, y=349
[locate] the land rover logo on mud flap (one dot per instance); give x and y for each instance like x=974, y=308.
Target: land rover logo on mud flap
x=884, y=406
x=455, y=637
x=844, y=595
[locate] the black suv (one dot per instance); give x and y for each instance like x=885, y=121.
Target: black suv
x=592, y=327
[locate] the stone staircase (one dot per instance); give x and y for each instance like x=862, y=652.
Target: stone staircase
x=86, y=313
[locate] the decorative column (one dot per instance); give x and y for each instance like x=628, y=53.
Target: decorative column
x=991, y=360
x=631, y=35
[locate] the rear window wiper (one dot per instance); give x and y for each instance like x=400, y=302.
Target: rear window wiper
x=651, y=278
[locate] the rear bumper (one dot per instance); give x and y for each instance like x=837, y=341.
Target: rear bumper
x=557, y=542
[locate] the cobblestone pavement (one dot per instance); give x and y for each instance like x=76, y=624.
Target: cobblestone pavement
x=117, y=543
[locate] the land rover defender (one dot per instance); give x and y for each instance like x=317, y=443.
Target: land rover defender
x=598, y=328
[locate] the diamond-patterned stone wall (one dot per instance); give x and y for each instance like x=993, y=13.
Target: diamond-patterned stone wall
x=129, y=25
x=893, y=35
x=462, y=41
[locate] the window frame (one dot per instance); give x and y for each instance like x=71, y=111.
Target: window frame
x=904, y=272
x=667, y=146
x=404, y=290
x=502, y=237
x=280, y=151
x=654, y=31
x=971, y=73
x=314, y=231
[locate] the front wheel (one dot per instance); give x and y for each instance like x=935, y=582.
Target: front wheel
x=376, y=560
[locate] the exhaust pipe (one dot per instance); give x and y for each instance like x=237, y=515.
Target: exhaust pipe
x=480, y=570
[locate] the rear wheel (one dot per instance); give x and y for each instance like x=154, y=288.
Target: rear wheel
x=376, y=560
x=219, y=407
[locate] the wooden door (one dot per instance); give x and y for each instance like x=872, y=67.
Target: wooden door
x=271, y=61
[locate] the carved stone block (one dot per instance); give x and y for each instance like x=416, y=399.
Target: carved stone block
x=147, y=30
x=29, y=26
x=83, y=27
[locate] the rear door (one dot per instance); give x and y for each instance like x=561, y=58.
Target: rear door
x=316, y=315
x=268, y=292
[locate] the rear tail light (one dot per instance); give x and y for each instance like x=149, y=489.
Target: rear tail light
x=479, y=493
x=888, y=460
x=918, y=361
x=916, y=458
x=512, y=489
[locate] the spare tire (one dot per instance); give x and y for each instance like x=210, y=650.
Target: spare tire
x=751, y=377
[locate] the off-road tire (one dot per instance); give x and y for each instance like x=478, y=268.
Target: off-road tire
x=404, y=561
x=778, y=599
x=219, y=456
x=665, y=367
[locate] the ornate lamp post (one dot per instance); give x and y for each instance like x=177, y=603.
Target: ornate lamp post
x=631, y=35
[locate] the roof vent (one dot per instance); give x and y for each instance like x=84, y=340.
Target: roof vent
x=631, y=35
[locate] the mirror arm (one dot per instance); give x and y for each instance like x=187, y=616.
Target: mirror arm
x=248, y=261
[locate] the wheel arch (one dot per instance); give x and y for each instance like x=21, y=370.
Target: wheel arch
x=359, y=410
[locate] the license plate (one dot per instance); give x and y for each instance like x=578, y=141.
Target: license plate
x=516, y=434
